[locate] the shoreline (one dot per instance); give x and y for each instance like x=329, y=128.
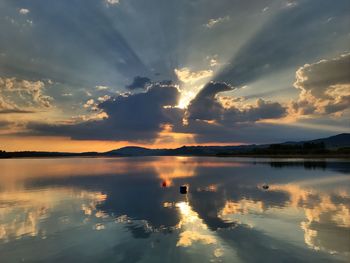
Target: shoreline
x=272, y=156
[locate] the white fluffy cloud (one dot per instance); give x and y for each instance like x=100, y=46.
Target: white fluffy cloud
x=324, y=87
x=187, y=76
x=17, y=95
x=112, y=2
x=215, y=21
x=7, y=106
x=104, y=98
x=24, y=11
x=100, y=87
x=291, y=3
x=89, y=103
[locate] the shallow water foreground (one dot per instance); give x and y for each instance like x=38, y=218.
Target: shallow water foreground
x=131, y=210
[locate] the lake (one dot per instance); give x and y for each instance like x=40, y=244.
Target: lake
x=131, y=210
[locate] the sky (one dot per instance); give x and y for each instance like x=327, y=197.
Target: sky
x=94, y=75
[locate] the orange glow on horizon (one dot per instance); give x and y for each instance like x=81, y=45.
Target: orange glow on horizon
x=63, y=144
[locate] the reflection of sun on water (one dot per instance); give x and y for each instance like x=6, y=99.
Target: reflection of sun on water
x=188, y=216
x=194, y=231
x=194, y=228
x=169, y=169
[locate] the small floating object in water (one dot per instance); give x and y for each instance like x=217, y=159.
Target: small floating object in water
x=265, y=186
x=183, y=189
x=164, y=184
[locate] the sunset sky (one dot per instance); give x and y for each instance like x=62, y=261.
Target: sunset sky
x=94, y=75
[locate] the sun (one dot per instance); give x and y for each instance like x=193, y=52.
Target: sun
x=188, y=93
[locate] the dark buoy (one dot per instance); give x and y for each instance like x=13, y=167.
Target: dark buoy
x=164, y=184
x=265, y=186
x=183, y=189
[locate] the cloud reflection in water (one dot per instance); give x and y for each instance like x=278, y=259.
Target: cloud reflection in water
x=27, y=213
x=324, y=216
x=225, y=215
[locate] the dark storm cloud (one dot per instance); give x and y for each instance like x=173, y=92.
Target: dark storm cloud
x=139, y=83
x=132, y=117
x=294, y=36
x=206, y=107
x=209, y=121
x=139, y=117
x=262, y=110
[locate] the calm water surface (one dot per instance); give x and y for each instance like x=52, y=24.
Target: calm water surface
x=118, y=210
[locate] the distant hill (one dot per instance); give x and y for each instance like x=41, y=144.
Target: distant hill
x=333, y=145
x=330, y=143
x=34, y=154
x=134, y=151
x=337, y=141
